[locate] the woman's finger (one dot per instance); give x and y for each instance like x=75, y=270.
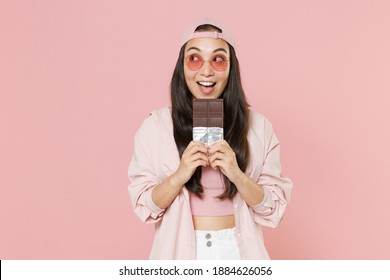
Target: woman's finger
x=195, y=147
x=221, y=146
x=215, y=156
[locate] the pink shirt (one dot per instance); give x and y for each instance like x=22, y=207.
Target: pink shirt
x=210, y=204
x=156, y=157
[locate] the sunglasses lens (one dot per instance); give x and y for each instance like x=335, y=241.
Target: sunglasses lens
x=219, y=62
x=194, y=61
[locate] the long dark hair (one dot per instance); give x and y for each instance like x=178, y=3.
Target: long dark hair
x=236, y=116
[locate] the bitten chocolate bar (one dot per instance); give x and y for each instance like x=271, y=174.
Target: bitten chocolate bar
x=207, y=120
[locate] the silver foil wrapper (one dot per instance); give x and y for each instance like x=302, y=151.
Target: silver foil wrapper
x=207, y=135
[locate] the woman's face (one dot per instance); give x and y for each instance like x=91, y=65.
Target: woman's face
x=206, y=82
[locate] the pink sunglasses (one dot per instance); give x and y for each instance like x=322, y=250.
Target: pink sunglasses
x=218, y=62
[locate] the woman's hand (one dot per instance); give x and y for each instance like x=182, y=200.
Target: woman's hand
x=222, y=155
x=193, y=156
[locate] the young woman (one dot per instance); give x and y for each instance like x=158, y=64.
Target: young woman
x=207, y=202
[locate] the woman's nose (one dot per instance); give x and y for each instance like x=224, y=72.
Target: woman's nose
x=206, y=69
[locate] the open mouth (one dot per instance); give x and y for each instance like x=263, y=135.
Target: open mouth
x=206, y=84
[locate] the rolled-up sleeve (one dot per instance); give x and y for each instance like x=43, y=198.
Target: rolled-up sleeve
x=277, y=189
x=143, y=177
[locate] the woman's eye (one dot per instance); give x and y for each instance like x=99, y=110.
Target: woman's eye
x=219, y=58
x=194, y=58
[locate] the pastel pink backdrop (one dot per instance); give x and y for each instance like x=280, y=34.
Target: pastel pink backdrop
x=78, y=77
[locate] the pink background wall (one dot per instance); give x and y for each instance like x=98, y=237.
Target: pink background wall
x=78, y=77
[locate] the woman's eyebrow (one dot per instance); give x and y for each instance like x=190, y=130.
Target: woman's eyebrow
x=216, y=50
x=194, y=48
x=220, y=49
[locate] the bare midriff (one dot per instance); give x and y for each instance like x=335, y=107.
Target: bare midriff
x=213, y=222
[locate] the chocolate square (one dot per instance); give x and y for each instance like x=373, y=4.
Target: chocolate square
x=207, y=112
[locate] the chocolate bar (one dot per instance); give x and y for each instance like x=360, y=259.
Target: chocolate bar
x=207, y=120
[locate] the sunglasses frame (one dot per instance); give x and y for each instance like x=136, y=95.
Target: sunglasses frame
x=208, y=60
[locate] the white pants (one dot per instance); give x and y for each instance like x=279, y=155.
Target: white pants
x=216, y=245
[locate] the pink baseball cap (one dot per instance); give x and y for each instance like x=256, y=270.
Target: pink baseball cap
x=190, y=33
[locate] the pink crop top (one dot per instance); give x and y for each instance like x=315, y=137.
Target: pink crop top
x=210, y=204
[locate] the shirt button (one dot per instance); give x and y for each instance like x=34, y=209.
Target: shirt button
x=208, y=236
x=235, y=206
x=208, y=243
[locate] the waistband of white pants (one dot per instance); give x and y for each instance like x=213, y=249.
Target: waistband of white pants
x=223, y=233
